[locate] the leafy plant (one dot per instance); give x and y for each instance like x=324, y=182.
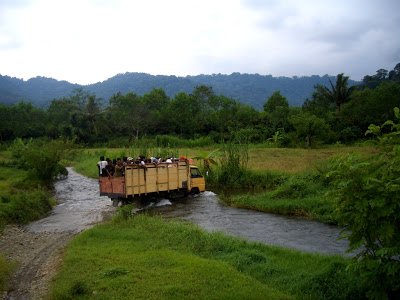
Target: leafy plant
x=40, y=157
x=208, y=159
x=233, y=162
x=394, y=130
x=368, y=197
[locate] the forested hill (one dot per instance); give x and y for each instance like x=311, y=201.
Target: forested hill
x=252, y=89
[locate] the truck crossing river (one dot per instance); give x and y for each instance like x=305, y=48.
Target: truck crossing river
x=165, y=179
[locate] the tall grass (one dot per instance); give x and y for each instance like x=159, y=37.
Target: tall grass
x=22, y=199
x=153, y=258
x=163, y=141
x=5, y=271
x=301, y=195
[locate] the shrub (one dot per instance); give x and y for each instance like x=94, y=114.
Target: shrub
x=368, y=197
x=41, y=157
x=24, y=207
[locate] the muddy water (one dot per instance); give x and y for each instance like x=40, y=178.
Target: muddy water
x=207, y=211
x=81, y=206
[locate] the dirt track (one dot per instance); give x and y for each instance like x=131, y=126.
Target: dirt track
x=38, y=256
x=37, y=248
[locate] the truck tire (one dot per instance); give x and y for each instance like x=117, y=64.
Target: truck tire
x=195, y=191
x=115, y=202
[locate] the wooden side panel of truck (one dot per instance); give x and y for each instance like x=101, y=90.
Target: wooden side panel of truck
x=153, y=179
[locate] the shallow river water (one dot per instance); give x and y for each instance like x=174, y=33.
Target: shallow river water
x=81, y=207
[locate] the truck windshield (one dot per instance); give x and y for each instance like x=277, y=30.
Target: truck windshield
x=194, y=173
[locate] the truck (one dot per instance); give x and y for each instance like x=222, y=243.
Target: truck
x=144, y=181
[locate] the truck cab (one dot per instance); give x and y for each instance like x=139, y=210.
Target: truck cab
x=197, y=181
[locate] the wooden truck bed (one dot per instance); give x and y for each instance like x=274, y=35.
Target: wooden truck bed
x=142, y=180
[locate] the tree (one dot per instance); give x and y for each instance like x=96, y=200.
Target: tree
x=370, y=106
x=339, y=93
x=126, y=114
x=276, y=110
x=309, y=127
x=275, y=101
x=319, y=104
x=394, y=75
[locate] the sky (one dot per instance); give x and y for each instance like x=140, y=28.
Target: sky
x=89, y=41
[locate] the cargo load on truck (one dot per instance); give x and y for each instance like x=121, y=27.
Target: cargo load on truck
x=152, y=179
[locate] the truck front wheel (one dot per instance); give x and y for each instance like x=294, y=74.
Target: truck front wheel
x=195, y=191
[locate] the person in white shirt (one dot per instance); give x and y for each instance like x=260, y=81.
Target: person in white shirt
x=101, y=165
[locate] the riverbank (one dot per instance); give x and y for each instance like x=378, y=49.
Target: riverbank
x=154, y=258
x=35, y=250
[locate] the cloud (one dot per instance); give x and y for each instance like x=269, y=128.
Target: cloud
x=90, y=40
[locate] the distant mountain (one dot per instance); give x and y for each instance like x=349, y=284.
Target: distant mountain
x=253, y=89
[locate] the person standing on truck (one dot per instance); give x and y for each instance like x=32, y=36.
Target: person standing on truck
x=119, y=168
x=101, y=165
x=110, y=167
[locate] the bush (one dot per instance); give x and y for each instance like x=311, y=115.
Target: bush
x=24, y=207
x=368, y=197
x=335, y=282
x=41, y=157
x=233, y=164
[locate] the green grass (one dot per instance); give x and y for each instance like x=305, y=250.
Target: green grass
x=5, y=271
x=151, y=258
x=22, y=197
x=298, y=160
x=302, y=195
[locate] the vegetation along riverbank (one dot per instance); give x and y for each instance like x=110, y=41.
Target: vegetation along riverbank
x=153, y=258
x=293, y=161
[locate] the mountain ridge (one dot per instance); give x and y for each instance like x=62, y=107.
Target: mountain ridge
x=252, y=89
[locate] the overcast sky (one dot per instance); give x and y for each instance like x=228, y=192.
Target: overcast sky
x=86, y=41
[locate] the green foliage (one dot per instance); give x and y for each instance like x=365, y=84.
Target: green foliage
x=40, y=157
x=334, y=282
x=275, y=101
x=24, y=206
x=208, y=159
x=309, y=128
x=338, y=93
x=393, y=137
x=370, y=106
x=232, y=163
x=368, y=197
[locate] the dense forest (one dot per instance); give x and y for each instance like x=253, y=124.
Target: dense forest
x=250, y=89
x=338, y=112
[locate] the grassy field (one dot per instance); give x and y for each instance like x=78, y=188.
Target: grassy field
x=148, y=257
x=296, y=160
x=282, y=160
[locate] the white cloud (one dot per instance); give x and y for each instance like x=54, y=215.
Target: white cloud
x=91, y=40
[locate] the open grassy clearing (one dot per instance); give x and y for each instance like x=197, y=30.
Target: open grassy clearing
x=295, y=160
x=151, y=258
x=282, y=160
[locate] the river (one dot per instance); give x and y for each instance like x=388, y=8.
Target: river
x=80, y=206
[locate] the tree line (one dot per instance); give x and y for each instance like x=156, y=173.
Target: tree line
x=334, y=113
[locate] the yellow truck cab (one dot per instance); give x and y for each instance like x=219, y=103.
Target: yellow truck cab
x=152, y=179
